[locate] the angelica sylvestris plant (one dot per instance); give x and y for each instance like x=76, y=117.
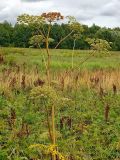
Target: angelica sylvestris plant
x=36, y=41
x=48, y=150
x=47, y=97
x=99, y=46
x=39, y=22
x=66, y=104
x=48, y=19
x=75, y=28
x=44, y=95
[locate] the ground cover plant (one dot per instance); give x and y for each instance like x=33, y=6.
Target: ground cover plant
x=86, y=106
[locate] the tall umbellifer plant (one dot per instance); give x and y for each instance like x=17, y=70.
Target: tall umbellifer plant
x=36, y=41
x=76, y=29
x=48, y=19
x=39, y=23
x=47, y=97
x=98, y=47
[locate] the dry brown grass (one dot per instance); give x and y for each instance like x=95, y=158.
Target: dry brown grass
x=19, y=78
x=91, y=79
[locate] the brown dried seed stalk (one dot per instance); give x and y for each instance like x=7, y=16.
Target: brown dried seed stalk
x=114, y=89
x=39, y=82
x=1, y=59
x=107, y=109
x=13, y=82
x=23, y=83
x=24, y=131
x=12, y=118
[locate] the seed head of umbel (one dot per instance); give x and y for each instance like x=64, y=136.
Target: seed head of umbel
x=52, y=16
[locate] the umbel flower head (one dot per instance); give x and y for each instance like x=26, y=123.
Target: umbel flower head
x=101, y=46
x=45, y=95
x=48, y=150
x=52, y=16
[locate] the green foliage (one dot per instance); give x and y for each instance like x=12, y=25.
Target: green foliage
x=75, y=26
x=61, y=59
x=99, y=45
x=84, y=133
x=44, y=95
x=27, y=19
x=36, y=41
x=48, y=150
x=90, y=137
x=20, y=34
x=3, y=155
x=115, y=40
x=6, y=34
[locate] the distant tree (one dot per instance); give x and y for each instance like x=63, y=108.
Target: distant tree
x=104, y=34
x=116, y=40
x=62, y=33
x=6, y=32
x=21, y=35
x=57, y=32
x=92, y=31
x=74, y=27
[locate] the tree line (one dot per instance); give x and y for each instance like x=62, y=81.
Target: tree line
x=19, y=35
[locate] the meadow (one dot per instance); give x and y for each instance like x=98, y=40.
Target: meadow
x=86, y=99
x=61, y=59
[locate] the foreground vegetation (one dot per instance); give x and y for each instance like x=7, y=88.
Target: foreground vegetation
x=86, y=100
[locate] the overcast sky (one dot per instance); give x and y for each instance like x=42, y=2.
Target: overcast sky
x=101, y=12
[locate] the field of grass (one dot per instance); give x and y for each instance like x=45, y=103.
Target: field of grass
x=61, y=59
x=86, y=104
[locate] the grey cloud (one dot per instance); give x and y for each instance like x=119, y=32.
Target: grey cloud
x=101, y=12
x=111, y=9
x=82, y=10
x=33, y=0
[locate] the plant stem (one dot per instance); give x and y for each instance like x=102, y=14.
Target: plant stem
x=48, y=62
x=73, y=53
x=53, y=129
x=63, y=39
x=48, y=123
